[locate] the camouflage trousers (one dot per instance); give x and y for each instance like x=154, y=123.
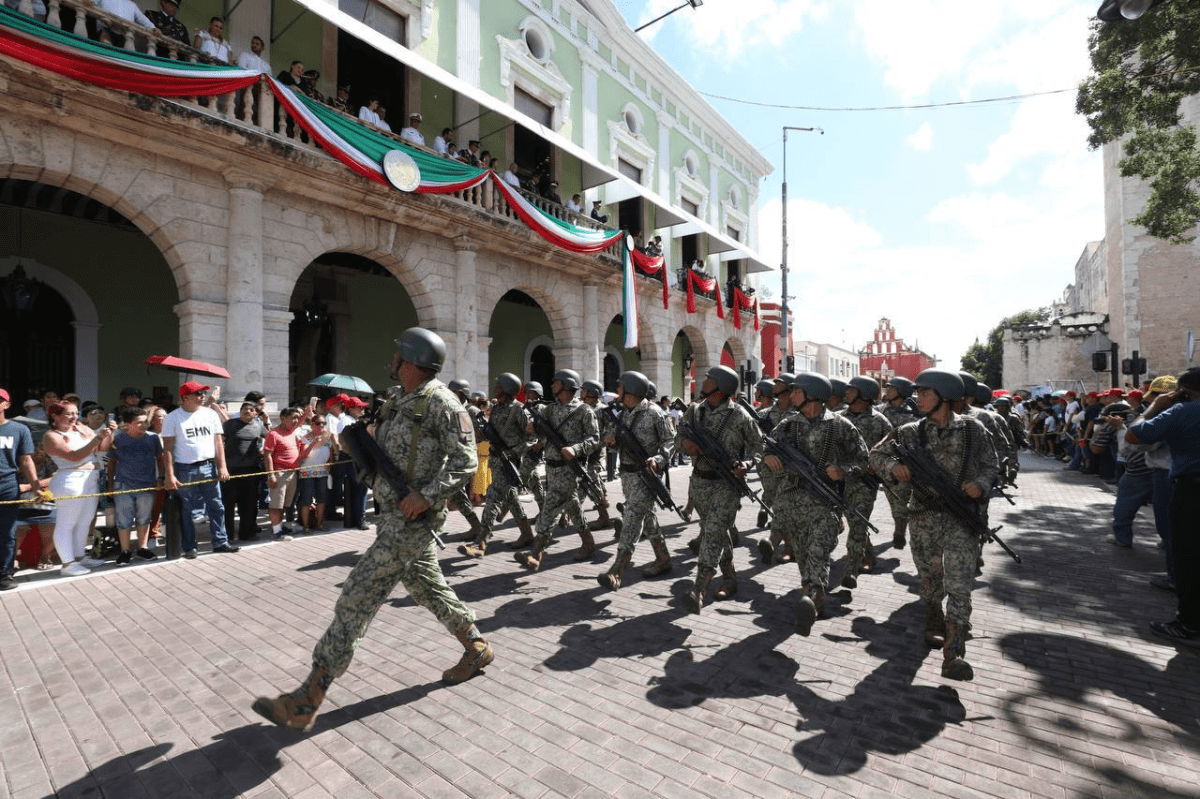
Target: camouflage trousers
x=858, y=540
x=562, y=496
x=898, y=495
x=462, y=503
x=638, y=513
x=811, y=528
x=717, y=505
x=500, y=494
x=529, y=464
x=594, y=469
x=770, y=486
x=945, y=554
x=403, y=552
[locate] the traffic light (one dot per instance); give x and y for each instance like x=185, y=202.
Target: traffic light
x=1099, y=361
x=1133, y=366
x=791, y=364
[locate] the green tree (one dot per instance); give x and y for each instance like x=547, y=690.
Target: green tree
x=1141, y=71
x=986, y=361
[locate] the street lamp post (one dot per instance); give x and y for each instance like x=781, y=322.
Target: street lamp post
x=692, y=3
x=784, y=328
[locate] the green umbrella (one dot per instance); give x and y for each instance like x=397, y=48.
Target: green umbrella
x=343, y=383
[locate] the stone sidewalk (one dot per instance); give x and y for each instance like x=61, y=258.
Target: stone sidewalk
x=137, y=682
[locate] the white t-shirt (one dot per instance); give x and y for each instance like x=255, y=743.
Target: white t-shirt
x=248, y=60
x=126, y=10
x=217, y=49
x=367, y=115
x=439, y=145
x=195, y=434
x=511, y=179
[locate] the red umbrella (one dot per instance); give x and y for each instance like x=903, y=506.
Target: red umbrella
x=176, y=364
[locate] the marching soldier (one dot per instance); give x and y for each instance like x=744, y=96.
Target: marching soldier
x=591, y=393
x=1007, y=447
x=509, y=418
x=533, y=455
x=997, y=436
x=779, y=410
x=1016, y=429
x=944, y=550
x=653, y=432
x=716, y=500
x=812, y=526
x=873, y=426
x=460, y=500
x=764, y=396
x=425, y=432
x=576, y=422
x=899, y=408
x=836, y=402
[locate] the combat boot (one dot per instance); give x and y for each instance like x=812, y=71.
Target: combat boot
x=602, y=520
x=935, y=625
x=662, y=560
x=762, y=517
x=849, y=576
x=533, y=559
x=477, y=548
x=806, y=610
x=297, y=710
x=954, y=652
x=868, y=558
x=476, y=655
x=787, y=556
x=611, y=579
x=588, y=544
x=526, y=537
x=476, y=529
x=728, y=585
x=898, y=539
x=695, y=598
x=694, y=545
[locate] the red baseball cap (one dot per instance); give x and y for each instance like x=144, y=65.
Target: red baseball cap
x=1093, y=394
x=1072, y=394
x=4, y=396
x=1114, y=392
x=1135, y=394
x=191, y=387
x=340, y=399
x=355, y=402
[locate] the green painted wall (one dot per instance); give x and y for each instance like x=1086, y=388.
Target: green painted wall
x=437, y=108
x=513, y=327
x=375, y=298
x=302, y=41
x=498, y=17
x=130, y=284
x=678, y=350
x=614, y=337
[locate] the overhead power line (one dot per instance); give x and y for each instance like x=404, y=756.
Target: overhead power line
x=1008, y=98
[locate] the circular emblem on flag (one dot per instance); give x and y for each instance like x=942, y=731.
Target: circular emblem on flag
x=629, y=241
x=401, y=170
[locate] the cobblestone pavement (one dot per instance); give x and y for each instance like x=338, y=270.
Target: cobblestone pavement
x=137, y=681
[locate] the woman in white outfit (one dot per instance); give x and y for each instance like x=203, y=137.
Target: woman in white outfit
x=74, y=448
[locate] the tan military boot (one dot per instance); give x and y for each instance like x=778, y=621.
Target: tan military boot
x=954, y=663
x=602, y=521
x=297, y=710
x=662, y=560
x=935, y=625
x=589, y=544
x=526, y=537
x=729, y=584
x=695, y=598
x=533, y=559
x=476, y=549
x=476, y=655
x=611, y=579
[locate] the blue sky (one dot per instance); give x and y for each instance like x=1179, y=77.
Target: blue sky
x=944, y=220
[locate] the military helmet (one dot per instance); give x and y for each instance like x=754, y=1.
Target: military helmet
x=534, y=387
x=635, y=383
x=651, y=389
x=903, y=386
x=969, y=383
x=765, y=386
x=837, y=387
x=726, y=379
x=569, y=378
x=785, y=378
x=1003, y=399
x=867, y=388
x=816, y=386
x=983, y=394
x=509, y=384
x=1118, y=408
x=592, y=387
x=460, y=387
x=948, y=385
x=422, y=348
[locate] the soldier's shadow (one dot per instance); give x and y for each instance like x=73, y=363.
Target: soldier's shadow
x=347, y=559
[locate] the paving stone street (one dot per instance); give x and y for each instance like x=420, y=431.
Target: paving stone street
x=137, y=681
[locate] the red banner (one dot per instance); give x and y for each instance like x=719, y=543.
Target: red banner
x=741, y=301
x=651, y=265
x=696, y=281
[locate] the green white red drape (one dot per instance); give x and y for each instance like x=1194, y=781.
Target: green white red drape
x=652, y=265
x=554, y=230
x=696, y=281
x=629, y=295
x=740, y=301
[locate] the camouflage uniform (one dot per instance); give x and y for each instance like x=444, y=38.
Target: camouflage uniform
x=595, y=461
x=529, y=475
x=1016, y=430
x=810, y=525
x=460, y=500
x=997, y=427
x=653, y=431
x=943, y=550
x=899, y=493
x=715, y=500
x=873, y=426
x=404, y=550
x=576, y=422
x=510, y=420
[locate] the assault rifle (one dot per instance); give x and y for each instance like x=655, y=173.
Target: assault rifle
x=949, y=497
x=499, y=451
x=721, y=461
x=626, y=438
x=370, y=461
x=764, y=422
x=816, y=483
x=556, y=439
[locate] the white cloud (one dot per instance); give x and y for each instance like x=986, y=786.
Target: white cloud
x=728, y=28
x=922, y=138
x=1040, y=126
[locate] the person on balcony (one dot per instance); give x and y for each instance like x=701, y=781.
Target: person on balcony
x=441, y=144
x=472, y=154
x=599, y=217
x=383, y=123
x=211, y=42
x=292, y=75
x=342, y=101
x=552, y=194
x=252, y=59
x=308, y=85
x=412, y=133
x=573, y=204
x=510, y=176
x=167, y=23
x=369, y=113
x=126, y=10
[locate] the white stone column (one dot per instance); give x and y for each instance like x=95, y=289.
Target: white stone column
x=592, y=340
x=659, y=372
x=665, y=123
x=591, y=110
x=202, y=332
x=244, y=284
x=468, y=360
x=276, y=325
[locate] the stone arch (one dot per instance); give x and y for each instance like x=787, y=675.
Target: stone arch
x=700, y=349
x=563, y=327
x=738, y=349
x=500, y=354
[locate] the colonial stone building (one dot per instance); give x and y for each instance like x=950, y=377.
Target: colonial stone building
x=156, y=225
x=886, y=356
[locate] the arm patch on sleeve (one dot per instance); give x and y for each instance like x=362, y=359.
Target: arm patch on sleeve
x=465, y=425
